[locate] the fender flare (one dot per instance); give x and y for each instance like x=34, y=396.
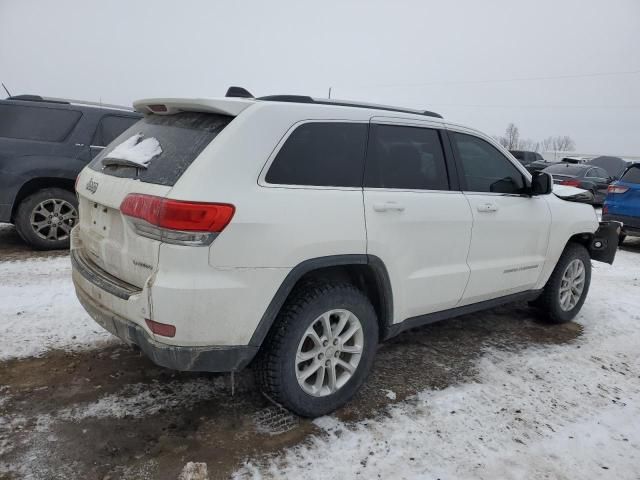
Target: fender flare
x=383, y=286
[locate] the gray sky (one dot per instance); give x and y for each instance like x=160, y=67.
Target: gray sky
x=473, y=61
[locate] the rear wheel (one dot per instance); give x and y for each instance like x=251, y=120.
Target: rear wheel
x=320, y=349
x=567, y=288
x=44, y=219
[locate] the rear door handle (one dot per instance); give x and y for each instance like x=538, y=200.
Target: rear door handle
x=487, y=207
x=387, y=206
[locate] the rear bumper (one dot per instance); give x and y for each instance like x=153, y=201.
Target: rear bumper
x=630, y=225
x=199, y=359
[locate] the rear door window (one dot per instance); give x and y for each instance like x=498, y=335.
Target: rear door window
x=405, y=157
x=181, y=138
x=37, y=123
x=110, y=127
x=327, y=154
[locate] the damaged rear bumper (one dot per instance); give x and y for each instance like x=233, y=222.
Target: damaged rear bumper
x=198, y=359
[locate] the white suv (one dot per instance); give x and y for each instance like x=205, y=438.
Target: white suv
x=299, y=233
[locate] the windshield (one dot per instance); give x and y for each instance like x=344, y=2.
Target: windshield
x=159, y=148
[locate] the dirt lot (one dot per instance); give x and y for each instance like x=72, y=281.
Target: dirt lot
x=109, y=413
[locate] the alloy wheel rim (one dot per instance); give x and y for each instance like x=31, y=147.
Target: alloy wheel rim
x=572, y=285
x=53, y=219
x=329, y=352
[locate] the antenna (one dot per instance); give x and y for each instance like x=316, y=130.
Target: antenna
x=6, y=89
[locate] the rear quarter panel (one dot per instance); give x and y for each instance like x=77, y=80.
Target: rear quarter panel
x=273, y=227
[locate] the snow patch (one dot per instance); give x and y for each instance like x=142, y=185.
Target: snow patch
x=135, y=151
x=142, y=399
x=194, y=471
x=39, y=310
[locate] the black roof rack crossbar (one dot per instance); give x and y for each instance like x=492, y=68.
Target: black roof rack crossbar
x=307, y=99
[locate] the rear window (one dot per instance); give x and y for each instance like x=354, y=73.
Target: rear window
x=110, y=127
x=181, y=136
x=37, y=123
x=328, y=154
x=566, y=169
x=632, y=175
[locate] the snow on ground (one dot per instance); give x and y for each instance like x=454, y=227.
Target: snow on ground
x=39, y=310
x=570, y=411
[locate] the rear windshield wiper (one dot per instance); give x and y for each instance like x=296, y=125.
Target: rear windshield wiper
x=121, y=162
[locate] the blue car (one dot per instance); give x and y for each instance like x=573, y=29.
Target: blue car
x=623, y=202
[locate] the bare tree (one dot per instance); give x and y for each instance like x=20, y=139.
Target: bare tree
x=511, y=141
x=512, y=135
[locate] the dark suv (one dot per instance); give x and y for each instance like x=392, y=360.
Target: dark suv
x=44, y=143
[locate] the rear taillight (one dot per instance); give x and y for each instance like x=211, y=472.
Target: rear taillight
x=176, y=221
x=617, y=189
x=570, y=183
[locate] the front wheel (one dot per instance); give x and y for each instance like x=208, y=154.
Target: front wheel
x=320, y=349
x=567, y=288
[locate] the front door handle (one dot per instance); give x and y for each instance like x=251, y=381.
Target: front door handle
x=487, y=207
x=387, y=206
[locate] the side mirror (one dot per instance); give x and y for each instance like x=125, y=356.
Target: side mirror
x=541, y=183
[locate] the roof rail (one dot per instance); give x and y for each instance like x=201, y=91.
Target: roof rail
x=340, y=103
x=35, y=98
x=67, y=101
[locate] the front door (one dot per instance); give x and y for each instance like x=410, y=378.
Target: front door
x=510, y=229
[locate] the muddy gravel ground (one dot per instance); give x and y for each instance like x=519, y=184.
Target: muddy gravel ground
x=110, y=413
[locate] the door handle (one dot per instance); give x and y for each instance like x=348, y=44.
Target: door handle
x=487, y=207
x=386, y=206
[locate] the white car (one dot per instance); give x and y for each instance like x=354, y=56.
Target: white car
x=298, y=233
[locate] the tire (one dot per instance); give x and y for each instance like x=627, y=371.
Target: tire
x=550, y=302
x=38, y=209
x=278, y=363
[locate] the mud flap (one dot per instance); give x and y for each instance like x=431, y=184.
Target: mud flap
x=604, y=244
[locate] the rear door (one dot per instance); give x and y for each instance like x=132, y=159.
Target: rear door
x=107, y=238
x=510, y=230
x=417, y=222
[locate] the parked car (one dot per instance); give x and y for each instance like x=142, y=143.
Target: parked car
x=526, y=157
x=298, y=233
x=614, y=166
x=44, y=143
x=539, y=165
x=593, y=179
x=623, y=202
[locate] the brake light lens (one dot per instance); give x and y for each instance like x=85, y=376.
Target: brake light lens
x=176, y=221
x=570, y=183
x=163, y=329
x=617, y=189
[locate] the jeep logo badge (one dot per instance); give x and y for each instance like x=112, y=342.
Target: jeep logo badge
x=92, y=186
